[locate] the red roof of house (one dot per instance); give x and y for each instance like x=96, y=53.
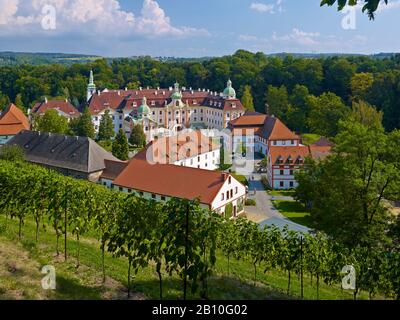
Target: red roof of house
x=288, y=155
x=13, y=121
x=113, y=169
x=61, y=105
x=249, y=119
x=124, y=99
x=168, y=150
x=275, y=129
x=171, y=181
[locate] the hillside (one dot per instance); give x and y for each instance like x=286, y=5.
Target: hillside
x=18, y=58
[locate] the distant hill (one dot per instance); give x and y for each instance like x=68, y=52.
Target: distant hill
x=327, y=55
x=18, y=58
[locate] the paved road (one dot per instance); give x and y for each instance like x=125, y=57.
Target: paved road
x=265, y=213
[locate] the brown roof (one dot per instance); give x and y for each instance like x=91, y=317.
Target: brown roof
x=274, y=129
x=61, y=105
x=249, y=119
x=113, y=169
x=123, y=99
x=171, y=181
x=13, y=121
x=168, y=150
x=104, y=100
x=324, y=142
x=289, y=155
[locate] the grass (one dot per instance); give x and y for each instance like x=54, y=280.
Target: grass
x=282, y=193
x=294, y=211
x=21, y=263
x=310, y=138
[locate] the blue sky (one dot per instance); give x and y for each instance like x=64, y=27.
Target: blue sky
x=192, y=28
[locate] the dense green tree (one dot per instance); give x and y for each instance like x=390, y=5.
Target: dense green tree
x=325, y=113
x=12, y=153
x=106, y=128
x=298, y=111
x=247, y=99
x=4, y=101
x=19, y=102
x=120, y=146
x=52, y=122
x=278, y=101
x=137, y=137
x=360, y=85
x=338, y=75
x=83, y=125
x=347, y=191
x=367, y=115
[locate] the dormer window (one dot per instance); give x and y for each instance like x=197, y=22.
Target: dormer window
x=194, y=102
x=134, y=104
x=153, y=103
x=233, y=105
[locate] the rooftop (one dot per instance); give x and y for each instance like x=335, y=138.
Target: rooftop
x=13, y=121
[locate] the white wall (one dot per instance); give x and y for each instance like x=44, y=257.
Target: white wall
x=208, y=161
x=238, y=192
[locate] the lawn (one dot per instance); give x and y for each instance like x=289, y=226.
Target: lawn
x=310, y=138
x=281, y=193
x=21, y=262
x=294, y=211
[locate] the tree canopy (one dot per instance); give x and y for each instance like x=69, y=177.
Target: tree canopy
x=370, y=6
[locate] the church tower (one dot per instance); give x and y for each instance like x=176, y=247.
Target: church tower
x=91, y=88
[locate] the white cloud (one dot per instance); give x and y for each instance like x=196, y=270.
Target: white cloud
x=92, y=17
x=390, y=6
x=299, y=37
x=267, y=8
x=262, y=7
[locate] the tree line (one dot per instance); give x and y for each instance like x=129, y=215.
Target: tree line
x=300, y=90
x=179, y=237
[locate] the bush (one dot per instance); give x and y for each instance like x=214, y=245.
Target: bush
x=251, y=203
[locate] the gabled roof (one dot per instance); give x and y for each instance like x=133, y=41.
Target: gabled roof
x=60, y=105
x=274, y=129
x=75, y=153
x=12, y=121
x=249, y=119
x=104, y=100
x=168, y=150
x=171, y=181
x=288, y=155
x=324, y=142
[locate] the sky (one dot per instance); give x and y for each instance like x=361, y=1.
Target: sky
x=193, y=28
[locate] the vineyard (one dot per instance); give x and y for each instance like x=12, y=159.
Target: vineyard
x=178, y=240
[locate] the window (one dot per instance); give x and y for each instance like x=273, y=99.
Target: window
x=281, y=184
x=160, y=113
x=198, y=159
x=141, y=194
x=292, y=142
x=291, y=172
x=227, y=195
x=162, y=198
x=222, y=197
x=231, y=193
x=275, y=143
x=291, y=184
x=191, y=162
x=236, y=190
x=129, y=190
x=121, y=189
x=230, y=180
x=153, y=103
x=153, y=196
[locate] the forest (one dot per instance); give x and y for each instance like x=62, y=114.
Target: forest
x=309, y=94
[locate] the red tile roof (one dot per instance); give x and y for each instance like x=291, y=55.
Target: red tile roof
x=274, y=129
x=113, y=169
x=171, y=181
x=168, y=150
x=121, y=99
x=288, y=155
x=13, y=121
x=61, y=105
x=249, y=119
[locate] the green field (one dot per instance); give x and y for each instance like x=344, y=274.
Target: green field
x=294, y=211
x=21, y=262
x=281, y=193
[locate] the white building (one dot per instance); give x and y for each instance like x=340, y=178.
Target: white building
x=161, y=182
